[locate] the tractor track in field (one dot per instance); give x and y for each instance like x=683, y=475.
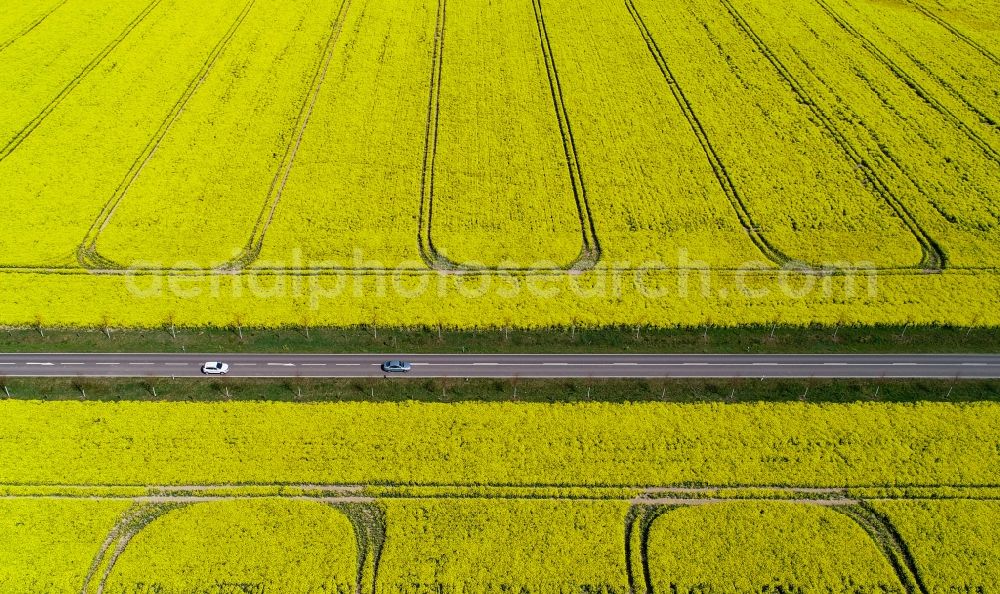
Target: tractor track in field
x=120, y=527
x=934, y=257
x=885, y=154
x=425, y=241
x=31, y=27
x=766, y=247
x=22, y=135
x=277, y=188
x=954, y=31
x=891, y=544
x=369, y=521
x=132, y=522
x=88, y=255
x=366, y=519
x=904, y=77
x=879, y=529
x=947, y=86
x=590, y=253
x=333, y=271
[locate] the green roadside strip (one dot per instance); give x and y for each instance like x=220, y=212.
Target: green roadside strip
x=635, y=339
x=497, y=390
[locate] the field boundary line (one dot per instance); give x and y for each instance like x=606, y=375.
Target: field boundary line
x=277, y=188
x=955, y=31
x=925, y=95
x=746, y=220
x=31, y=27
x=88, y=254
x=590, y=252
x=933, y=257
x=334, y=271
x=636, y=495
x=22, y=135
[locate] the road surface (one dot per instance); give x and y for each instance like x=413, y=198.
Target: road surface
x=509, y=366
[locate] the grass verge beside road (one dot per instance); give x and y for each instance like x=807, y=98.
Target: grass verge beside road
x=370, y=339
x=497, y=390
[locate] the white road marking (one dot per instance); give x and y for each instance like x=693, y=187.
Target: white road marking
x=142, y=363
x=43, y=364
x=71, y=363
x=245, y=364
x=107, y=363
x=348, y=364
x=314, y=364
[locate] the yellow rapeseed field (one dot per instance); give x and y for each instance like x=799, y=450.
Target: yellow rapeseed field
x=274, y=544
x=480, y=498
x=584, y=162
x=762, y=546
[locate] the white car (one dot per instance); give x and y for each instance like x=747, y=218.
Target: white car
x=215, y=368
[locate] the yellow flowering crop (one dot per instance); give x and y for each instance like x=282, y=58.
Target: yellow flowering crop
x=478, y=498
x=954, y=543
x=254, y=545
x=159, y=214
x=764, y=546
x=134, y=443
x=477, y=546
x=48, y=545
x=554, y=141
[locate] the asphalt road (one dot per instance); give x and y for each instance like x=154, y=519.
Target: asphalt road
x=509, y=366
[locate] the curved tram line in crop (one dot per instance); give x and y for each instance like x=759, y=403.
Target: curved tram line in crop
x=771, y=252
x=590, y=252
x=643, y=514
x=360, y=505
x=88, y=255
x=92, y=262
x=277, y=188
x=367, y=521
x=933, y=257
x=35, y=122
x=910, y=82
